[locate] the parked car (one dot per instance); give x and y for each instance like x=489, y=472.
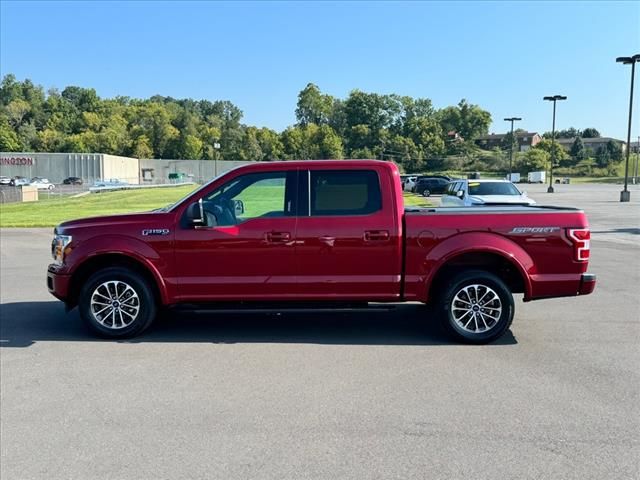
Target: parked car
x=409, y=183
x=19, y=181
x=72, y=181
x=467, y=193
x=428, y=186
x=318, y=231
x=5, y=180
x=42, y=184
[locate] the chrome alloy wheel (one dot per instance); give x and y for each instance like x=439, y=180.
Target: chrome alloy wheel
x=114, y=304
x=476, y=308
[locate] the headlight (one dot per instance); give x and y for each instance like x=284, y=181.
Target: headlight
x=58, y=247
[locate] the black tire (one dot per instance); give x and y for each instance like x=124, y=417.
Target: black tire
x=146, y=302
x=485, y=281
x=426, y=192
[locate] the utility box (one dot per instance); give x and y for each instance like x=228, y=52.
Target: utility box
x=29, y=193
x=176, y=177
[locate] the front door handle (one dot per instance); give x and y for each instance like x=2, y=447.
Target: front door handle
x=376, y=235
x=278, y=237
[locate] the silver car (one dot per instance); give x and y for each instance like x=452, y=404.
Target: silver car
x=468, y=193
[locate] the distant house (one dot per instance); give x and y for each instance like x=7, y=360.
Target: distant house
x=592, y=143
x=526, y=140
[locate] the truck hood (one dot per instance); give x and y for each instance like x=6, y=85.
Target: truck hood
x=501, y=199
x=116, y=222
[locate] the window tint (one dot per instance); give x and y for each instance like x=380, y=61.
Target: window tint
x=345, y=192
x=250, y=196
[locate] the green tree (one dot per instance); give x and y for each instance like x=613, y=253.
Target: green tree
x=577, y=149
x=590, y=133
x=554, y=149
x=9, y=141
x=313, y=106
x=534, y=160
x=615, y=150
x=191, y=148
x=142, y=147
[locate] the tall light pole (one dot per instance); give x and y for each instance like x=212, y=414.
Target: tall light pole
x=512, y=119
x=637, y=157
x=625, y=194
x=553, y=99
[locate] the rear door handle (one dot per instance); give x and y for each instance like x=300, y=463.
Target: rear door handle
x=278, y=237
x=376, y=235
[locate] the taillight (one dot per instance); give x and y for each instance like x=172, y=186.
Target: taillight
x=581, y=238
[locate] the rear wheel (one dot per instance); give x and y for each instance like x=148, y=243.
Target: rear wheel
x=426, y=192
x=476, y=307
x=117, y=303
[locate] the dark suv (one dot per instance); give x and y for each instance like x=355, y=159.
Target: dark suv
x=430, y=185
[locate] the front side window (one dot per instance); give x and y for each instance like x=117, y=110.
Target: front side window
x=344, y=192
x=255, y=195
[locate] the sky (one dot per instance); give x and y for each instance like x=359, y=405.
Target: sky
x=503, y=56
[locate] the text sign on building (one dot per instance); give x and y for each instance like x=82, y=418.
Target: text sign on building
x=17, y=161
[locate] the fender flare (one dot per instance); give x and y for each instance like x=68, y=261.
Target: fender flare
x=479, y=242
x=129, y=247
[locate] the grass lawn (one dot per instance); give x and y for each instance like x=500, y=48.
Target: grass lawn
x=415, y=200
x=51, y=212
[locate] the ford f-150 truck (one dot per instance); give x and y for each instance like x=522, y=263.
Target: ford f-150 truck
x=323, y=233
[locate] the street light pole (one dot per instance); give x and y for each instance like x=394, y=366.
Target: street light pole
x=637, y=157
x=512, y=119
x=553, y=99
x=625, y=194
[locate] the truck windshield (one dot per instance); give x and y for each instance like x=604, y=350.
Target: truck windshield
x=492, y=188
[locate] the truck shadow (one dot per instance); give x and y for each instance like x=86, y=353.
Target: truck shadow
x=25, y=323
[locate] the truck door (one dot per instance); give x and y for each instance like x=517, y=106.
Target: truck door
x=348, y=244
x=246, y=249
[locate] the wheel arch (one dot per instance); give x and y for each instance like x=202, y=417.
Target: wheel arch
x=489, y=252
x=106, y=260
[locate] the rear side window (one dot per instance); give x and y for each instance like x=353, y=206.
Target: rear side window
x=344, y=192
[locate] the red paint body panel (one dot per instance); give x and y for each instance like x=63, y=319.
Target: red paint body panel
x=388, y=255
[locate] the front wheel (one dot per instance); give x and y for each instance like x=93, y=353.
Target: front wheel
x=426, y=193
x=476, y=307
x=117, y=303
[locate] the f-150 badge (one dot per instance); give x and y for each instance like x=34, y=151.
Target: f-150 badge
x=155, y=231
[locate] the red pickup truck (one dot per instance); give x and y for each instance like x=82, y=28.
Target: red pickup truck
x=321, y=232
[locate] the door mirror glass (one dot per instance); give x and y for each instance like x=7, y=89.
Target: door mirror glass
x=195, y=214
x=238, y=205
x=460, y=193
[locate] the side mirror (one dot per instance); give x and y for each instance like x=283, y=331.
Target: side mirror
x=460, y=193
x=195, y=214
x=238, y=206
x=524, y=193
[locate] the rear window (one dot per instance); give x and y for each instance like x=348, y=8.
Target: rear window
x=350, y=192
x=489, y=188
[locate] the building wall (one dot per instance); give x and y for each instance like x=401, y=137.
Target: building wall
x=201, y=171
x=97, y=166
x=123, y=168
x=54, y=166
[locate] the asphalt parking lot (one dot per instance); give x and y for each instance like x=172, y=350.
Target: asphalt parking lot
x=356, y=395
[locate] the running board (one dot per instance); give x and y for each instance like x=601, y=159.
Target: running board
x=291, y=307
